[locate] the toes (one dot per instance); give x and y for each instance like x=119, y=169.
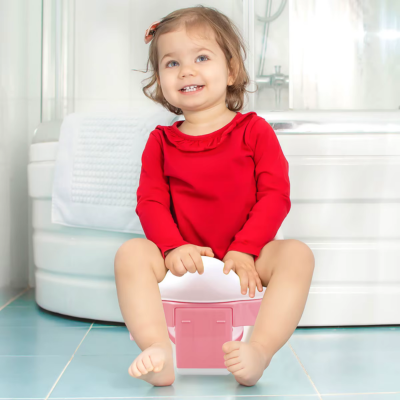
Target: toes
x=234, y=369
x=234, y=365
x=232, y=361
x=157, y=362
x=232, y=354
x=227, y=347
x=147, y=363
x=133, y=371
x=142, y=369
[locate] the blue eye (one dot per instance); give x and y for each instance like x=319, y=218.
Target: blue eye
x=169, y=63
x=175, y=61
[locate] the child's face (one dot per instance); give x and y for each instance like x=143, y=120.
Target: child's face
x=188, y=65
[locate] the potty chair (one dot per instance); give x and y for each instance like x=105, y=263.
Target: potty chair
x=205, y=311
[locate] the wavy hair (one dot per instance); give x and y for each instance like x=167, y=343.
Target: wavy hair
x=228, y=38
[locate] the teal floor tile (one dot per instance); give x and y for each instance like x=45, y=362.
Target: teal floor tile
x=363, y=396
x=194, y=397
x=319, y=363
x=29, y=377
x=34, y=316
x=27, y=341
x=113, y=341
x=107, y=376
x=350, y=360
x=6, y=294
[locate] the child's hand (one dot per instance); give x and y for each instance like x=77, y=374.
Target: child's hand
x=243, y=265
x=187, y=258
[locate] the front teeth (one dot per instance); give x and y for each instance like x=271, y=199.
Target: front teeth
x=190, y=88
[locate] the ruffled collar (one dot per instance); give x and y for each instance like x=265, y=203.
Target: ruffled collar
x=201, y=142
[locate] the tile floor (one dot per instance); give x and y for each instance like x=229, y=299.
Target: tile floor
x=49, y=356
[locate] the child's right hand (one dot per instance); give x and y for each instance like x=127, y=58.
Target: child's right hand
x=187, y=258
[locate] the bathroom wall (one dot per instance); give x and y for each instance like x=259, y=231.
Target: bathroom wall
x=20, y=53
x=109, y=42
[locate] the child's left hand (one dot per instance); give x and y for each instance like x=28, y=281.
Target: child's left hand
x=243, y=265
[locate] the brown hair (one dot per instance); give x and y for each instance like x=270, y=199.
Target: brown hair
x=228, y=38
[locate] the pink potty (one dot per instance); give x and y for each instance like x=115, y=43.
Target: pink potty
x=203, y=312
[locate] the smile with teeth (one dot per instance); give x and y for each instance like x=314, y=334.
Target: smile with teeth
x=191, y=88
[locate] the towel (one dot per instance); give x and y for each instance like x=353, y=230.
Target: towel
x=98, y=167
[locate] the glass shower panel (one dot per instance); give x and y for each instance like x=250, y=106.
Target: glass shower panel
x=303, y=54
x=344, y=54
x=271, y=54
x=57, y=59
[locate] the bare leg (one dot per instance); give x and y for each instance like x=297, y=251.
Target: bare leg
x=283, y=303
x=281, y=309
x=139, y=267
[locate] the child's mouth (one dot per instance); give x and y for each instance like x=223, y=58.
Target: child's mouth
x=192, y=90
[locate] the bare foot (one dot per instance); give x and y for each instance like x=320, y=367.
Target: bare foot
x=246, y=361
x=155, y=365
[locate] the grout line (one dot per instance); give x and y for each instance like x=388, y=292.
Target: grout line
x=302, y=366
x=261, y=396
x=16, y=297
x=356, y=394
x=194, y=397
x=62, y=372
x=173, y=397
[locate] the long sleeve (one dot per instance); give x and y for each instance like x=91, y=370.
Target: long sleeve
x=153, y=200
x=273, y=192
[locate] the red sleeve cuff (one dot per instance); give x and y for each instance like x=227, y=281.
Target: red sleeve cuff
x=245, y=248
x=164, y=249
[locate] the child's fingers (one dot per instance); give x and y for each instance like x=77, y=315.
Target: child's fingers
x=252, y=285
x=228, y=266
x=244, y=280
x=259, y=283
x=251, y=281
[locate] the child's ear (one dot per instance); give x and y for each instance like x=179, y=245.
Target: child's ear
x=233, y=72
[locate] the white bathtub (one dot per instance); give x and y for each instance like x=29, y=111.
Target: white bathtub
x=345, y=196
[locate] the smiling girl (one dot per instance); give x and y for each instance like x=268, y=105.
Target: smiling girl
x=216, y=185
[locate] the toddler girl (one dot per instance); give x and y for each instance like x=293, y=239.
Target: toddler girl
x=215, y=184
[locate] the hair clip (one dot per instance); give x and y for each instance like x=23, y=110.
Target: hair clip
x=148, y=36
x=150, y=31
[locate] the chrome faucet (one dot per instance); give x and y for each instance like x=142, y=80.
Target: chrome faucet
x=276, y=81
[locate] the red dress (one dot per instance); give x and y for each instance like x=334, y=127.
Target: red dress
x=228, y=190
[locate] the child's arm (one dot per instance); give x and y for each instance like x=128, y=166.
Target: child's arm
x=273, y=192
x=153, y=200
